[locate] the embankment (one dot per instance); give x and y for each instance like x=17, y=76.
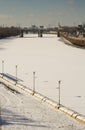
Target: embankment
x=8, y=32
x=11, y=85
x=75, y=40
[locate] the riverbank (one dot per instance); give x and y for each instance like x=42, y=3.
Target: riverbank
x=23, y=103
x=8, y=32
x=78, y=41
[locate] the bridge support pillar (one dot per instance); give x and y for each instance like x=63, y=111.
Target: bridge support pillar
x=58, y=34
x=21, y=34
x=40, y=33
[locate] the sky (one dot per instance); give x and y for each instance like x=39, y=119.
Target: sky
x=41, y=12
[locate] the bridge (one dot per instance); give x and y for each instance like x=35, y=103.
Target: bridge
x=40, y=31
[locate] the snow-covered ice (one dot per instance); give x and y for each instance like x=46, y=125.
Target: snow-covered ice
x=52, y=60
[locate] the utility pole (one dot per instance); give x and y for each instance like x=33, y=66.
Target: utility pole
x=33, y=82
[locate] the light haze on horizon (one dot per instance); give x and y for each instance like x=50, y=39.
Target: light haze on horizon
x=41, y=12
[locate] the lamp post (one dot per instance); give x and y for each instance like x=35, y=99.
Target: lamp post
x=2, y=66
x=59, y=82
x=33, y=82
x=16, y=73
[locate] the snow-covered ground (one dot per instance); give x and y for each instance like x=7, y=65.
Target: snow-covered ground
x=52, y=60
x=19, y=111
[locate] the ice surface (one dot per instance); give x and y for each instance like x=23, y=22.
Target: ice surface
x=52, y=61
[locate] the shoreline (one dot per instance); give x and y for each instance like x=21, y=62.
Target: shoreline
x=76, y=41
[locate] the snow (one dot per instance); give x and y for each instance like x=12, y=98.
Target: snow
x=19, y=111
x=52, y=60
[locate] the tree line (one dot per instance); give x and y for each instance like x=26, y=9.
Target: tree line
x=9, y=31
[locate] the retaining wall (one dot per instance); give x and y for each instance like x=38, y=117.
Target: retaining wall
x=75, y=40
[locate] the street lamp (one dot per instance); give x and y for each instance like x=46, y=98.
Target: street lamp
x=2, y=66
x=16, y=73
x=33, y=82
x=59, y=82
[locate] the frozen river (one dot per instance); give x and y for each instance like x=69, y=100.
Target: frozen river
x=52, y=60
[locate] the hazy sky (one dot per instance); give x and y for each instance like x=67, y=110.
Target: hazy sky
x=42, y=12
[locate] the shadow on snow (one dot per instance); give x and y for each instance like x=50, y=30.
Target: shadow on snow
x=10, y=118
